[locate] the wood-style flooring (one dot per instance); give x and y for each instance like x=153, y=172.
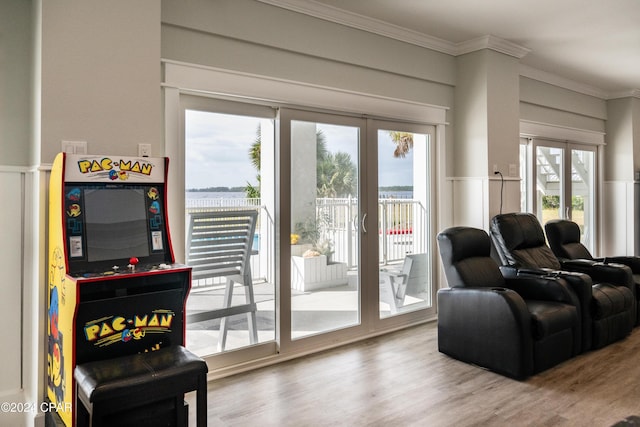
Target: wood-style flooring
x=401, y=379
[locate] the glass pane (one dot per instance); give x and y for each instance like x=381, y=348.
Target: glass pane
x=582, y=191
x=403, y=198
x=549, y=171
x=325, y=291
x=228, y=164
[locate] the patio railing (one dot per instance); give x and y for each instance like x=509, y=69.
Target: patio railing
x=401, y=225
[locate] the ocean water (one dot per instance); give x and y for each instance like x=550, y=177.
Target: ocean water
x=215, y=195
x=241, y=195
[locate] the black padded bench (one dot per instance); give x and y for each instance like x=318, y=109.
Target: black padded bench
x=144, y=389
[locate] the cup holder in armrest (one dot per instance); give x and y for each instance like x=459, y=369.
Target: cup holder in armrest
x=499, y=289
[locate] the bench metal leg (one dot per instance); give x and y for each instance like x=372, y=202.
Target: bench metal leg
x=251, y=316
x=226, y=303
x=252, y=320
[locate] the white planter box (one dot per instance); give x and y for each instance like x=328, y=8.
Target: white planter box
x=308, y=274
x=299, y=250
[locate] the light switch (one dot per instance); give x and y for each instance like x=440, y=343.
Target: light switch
x=144, y=150
x=74, y=147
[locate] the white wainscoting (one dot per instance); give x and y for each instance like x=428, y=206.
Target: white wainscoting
x=22, y=306
x=12, y=193
x=469, y=202
x=11, y=265
x=619, y=223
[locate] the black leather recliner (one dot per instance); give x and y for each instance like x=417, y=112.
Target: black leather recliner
x=564, y=239
x=607, y=310
x=515, y=327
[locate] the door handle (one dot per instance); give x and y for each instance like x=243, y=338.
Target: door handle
x=364, y=218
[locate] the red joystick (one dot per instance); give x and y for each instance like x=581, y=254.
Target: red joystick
x=134, y=261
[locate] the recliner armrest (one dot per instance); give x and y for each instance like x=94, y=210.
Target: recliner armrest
x=544, y=288
x=509, y=271
x=633, y=262
x=579, y=282
x=615, y=274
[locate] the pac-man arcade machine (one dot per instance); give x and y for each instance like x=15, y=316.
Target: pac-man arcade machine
x=112, y=287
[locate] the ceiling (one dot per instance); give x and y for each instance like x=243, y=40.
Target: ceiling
x=594, y=43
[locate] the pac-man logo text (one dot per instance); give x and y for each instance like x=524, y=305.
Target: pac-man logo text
x=120, y=167
x=112, y=329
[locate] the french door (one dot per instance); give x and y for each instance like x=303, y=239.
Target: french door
x=563, y=184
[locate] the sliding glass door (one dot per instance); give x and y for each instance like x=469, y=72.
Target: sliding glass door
x=343, y=241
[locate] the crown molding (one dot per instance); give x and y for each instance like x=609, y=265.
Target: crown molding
x=493, y=43
x=365, y=23
x=376, y=26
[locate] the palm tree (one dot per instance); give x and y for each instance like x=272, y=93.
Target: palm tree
x=321, y=146
x=403, y=141
x=336, y=175
x=252, y=192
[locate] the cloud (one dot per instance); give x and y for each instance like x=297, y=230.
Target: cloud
x=217, y=149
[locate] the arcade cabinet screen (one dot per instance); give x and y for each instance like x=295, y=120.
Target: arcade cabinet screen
x=116, y=223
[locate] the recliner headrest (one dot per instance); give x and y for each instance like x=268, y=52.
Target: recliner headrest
x=519, y=241
x=519, y=230
x=465, y=254
x=464, y=242
x=564, y=239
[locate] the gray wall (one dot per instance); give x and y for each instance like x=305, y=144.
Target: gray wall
x=101, y=76
x=15, y=82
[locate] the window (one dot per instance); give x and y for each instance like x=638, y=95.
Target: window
x=559, y=182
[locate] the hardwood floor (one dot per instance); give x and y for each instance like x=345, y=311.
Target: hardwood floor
x=402, y=380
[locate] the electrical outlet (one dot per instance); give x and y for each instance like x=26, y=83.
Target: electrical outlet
x=513, y=169
x=144, y=150
x=495, y=168
x=74, y=147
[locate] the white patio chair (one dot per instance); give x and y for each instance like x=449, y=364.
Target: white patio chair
x=219, y=245
x=394, y=284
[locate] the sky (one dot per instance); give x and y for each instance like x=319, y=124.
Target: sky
x=217, y=151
